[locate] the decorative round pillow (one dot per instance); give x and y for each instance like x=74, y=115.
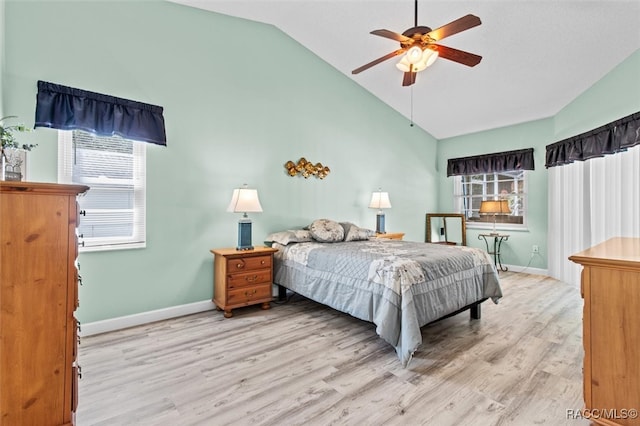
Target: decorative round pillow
x=326, y=231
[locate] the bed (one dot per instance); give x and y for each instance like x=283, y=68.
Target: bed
x=400, y=286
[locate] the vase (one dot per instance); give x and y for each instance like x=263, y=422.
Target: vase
x=12, y=164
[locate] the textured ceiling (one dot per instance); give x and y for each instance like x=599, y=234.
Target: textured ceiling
x=537, y=55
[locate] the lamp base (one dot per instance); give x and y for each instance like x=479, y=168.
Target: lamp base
x=244, y=234
x=380, y=223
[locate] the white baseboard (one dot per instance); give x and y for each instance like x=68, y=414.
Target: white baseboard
x=127, y=321
x=527, y=269
x=119, y=323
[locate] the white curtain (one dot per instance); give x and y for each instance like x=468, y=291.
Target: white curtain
x=590, y=202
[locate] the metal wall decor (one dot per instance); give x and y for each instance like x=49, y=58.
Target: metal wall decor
x=306, y=168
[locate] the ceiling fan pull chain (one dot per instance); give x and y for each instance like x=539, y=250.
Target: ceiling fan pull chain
x=411, y=114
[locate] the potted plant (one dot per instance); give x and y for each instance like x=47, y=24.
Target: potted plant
x=10, y=158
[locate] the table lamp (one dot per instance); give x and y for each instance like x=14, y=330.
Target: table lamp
x=244, y=200
x=380, y=200
x=495, y=207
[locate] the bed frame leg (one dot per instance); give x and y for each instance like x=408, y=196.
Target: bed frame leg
x=475, y=311
x=282, y=293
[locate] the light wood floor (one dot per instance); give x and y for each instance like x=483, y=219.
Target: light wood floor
x=304, y=363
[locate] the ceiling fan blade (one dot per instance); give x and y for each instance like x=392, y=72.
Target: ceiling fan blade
x=460, y=56
x=392, y=35
x=454, y=27
x=377, y=61
x=409, y=78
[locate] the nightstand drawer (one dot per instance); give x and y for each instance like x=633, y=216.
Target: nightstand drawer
x=248, y=294
x=248, y=263
x=244, y=279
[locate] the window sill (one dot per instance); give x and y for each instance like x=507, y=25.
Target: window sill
x=499, y=228
x=112, y=247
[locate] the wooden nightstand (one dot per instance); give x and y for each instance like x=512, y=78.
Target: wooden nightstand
x=391, y=236
x=242, y=278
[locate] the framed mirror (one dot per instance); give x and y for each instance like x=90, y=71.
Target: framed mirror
x=446, y=228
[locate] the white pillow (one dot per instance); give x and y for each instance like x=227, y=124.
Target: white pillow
x=326, y=231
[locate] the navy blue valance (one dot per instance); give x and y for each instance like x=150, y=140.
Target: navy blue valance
x=67, y=108
x=613, y=137
x=521, y=159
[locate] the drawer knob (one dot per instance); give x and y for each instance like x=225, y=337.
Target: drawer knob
x=252, y=279
x=262, y=262
x=240, y=265
x=250, y=293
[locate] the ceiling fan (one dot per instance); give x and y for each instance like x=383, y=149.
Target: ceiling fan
x=420, y=48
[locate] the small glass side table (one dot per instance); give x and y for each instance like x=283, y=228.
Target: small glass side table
x=497, y=243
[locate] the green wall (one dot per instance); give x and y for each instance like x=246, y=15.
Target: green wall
x=616, y=95
x=536, y=134
x=236, y=110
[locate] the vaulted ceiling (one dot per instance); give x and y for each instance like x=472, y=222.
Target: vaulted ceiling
x=537, y=55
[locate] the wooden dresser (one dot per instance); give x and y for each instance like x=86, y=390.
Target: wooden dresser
x=38, y=297
x=242, y=278
x=611, y=291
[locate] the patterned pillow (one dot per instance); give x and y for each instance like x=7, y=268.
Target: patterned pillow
x=326, y=231
x=290, y=236
x=355, y=233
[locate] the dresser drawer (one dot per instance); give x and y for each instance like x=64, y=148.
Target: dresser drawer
x=244, y=279
x=248, y=263
x=248, y=295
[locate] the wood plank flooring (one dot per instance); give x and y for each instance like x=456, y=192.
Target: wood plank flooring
x=303, y=363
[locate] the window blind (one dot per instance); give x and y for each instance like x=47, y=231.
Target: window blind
x=114, y=169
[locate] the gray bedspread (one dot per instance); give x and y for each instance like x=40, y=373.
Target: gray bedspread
x=398, y=285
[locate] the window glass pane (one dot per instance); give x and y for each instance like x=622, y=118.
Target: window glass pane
x=114, y=169
x=473, y=189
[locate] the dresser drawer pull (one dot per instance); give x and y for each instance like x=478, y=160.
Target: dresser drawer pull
x=80, y=279
x=240, y=265
x=250, y=293
x=252, y=278
x=79, y=369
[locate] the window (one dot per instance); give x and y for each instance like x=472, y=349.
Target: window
x=471, y=190
x=114, y=169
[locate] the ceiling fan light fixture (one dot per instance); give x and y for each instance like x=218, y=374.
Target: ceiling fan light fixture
x=403, y=65
x=414, y=55
x=429, y=56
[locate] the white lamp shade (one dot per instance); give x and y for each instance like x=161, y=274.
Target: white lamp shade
x=414, y=55
x=245, y=200
x=380, y=200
